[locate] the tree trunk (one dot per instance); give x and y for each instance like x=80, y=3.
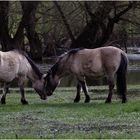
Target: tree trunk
x=29, y=9
x=5, y=39
x=99, y=29
x=65, y=21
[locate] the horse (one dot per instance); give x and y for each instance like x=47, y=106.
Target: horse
x=108, y=61
x=16, y=64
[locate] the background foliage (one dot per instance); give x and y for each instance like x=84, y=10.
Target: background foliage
x=49, y=28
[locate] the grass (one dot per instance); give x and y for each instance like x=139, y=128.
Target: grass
x=58, y=117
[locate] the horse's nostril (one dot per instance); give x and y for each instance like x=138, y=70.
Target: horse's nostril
x=49, y=94
x=43, y=97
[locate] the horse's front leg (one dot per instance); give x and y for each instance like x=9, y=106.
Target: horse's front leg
x=84, y=87
x=77, y=98
x=5, y=90
x=21, y=86
x=111, y=87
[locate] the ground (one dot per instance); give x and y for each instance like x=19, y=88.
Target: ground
x=59, y=117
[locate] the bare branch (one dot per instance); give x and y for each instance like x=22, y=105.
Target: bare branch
x=130, y=21
x=117, y=16
x=88, y=10
x=65, y=21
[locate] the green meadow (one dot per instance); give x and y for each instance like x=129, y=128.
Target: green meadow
x=58, y=117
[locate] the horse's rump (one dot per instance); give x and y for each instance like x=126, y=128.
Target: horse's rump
x=12, y=63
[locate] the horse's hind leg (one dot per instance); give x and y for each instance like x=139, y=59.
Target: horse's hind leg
x=5, y=90
x=84, y=87
x=77, y=98
x=21, y=86
x=111, y=87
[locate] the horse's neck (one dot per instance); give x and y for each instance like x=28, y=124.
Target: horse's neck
x=34, y=73
x=26, y=69
x=32, y=76
x=63, y=69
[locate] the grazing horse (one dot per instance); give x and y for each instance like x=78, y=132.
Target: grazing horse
x=105, y=61
x=16, y=64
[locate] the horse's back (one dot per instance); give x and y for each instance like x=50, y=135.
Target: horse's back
x=86, y=62
x=96, y=62
x=12, y=63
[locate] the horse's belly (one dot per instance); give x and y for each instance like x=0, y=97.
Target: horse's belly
x=94, y=70
x=88, y=68
x=7, y=76
x=95, y=74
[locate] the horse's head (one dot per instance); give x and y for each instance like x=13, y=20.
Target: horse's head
x=39, y=86
x=51, y=82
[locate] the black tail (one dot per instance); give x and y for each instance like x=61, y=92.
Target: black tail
x=121, y=78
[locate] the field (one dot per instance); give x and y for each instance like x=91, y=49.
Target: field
x=59, y=117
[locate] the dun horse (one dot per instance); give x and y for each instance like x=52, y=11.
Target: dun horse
x=106, y=61
x=16, y=64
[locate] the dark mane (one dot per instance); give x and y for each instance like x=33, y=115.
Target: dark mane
x=54, y=69
x=74, y=51
x=33, y=65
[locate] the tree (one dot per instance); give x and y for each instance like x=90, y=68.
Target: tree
x=5, y=39
x=97, y=32
x=27, y=22
x=87, y=24
x=29, y=19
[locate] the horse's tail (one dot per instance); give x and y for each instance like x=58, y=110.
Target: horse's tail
x=121, y=77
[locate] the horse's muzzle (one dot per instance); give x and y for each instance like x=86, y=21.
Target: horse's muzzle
x=49, y=93
x=43, y=97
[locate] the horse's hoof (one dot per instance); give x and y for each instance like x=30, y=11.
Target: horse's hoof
x=107, y=101
x=76, y=100
x=124, y=101
x=87, y=100
x=24, y=102
x=3, y=101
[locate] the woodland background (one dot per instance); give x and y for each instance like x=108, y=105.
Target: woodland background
x=48, y=28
